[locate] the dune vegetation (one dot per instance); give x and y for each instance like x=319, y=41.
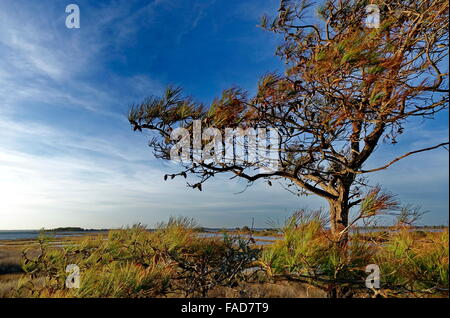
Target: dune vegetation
x=175, y=261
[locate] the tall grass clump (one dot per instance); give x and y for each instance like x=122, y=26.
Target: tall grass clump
x=306, y=252
x=300, y=249
x=170, y=261
x=415, y=264
x=119, y=266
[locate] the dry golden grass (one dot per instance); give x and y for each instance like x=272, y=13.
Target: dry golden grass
x=138, y=263
x=280, y=289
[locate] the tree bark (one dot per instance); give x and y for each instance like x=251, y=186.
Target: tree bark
x=339, y=210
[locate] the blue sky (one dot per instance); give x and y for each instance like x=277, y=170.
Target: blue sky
x=68, y=156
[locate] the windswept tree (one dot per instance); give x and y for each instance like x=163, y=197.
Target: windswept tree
x=349, y=86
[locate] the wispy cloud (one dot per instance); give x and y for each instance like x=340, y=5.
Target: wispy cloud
x=67, y=154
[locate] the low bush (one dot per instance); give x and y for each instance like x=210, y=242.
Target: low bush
x=136, y=262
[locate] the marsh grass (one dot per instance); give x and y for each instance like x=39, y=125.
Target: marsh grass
x=174, y=261
x=307, y=253
x=136, y=262
x=412, y=263
x=416, y=262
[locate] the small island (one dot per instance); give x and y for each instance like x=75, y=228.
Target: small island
x=74, y=229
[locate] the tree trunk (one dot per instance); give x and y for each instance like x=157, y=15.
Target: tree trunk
x=339, y=219
x=339, y=210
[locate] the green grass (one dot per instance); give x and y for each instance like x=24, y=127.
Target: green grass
x=174, y=261
x=418, y=262
x=135, y=262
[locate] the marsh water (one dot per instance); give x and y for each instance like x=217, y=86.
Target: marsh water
x=33, y=234
x=260, y=240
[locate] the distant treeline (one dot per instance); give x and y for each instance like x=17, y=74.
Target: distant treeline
x=74, y=229
x=243, y=229
x=381, y=227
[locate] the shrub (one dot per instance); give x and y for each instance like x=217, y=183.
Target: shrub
x=415, y=266
x=209, y=263
x=136, y=262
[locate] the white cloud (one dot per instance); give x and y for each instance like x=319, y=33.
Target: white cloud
x=76, y=174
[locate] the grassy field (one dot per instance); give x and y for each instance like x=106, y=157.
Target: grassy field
x=11, y=270
x=174, y=261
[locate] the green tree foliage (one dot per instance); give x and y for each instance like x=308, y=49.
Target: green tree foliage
x=346, y=88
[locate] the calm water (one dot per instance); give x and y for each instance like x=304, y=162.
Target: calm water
x=33, y=234
x=267, y=239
